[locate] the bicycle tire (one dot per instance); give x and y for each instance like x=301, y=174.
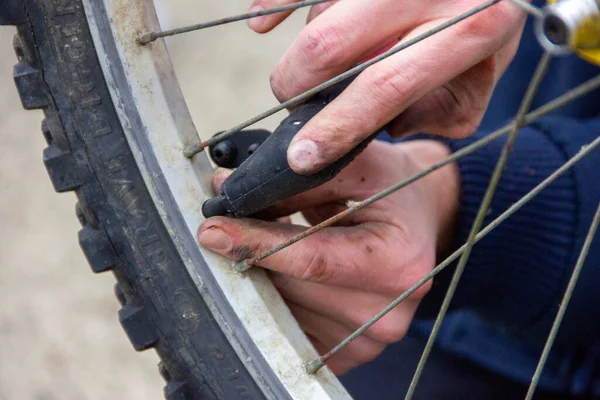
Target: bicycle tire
x=59, y=72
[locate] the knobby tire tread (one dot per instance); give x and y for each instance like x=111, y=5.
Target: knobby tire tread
x=58, y=72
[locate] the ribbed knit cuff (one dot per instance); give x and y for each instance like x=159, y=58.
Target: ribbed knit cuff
x=515, y=274
x=581, y=323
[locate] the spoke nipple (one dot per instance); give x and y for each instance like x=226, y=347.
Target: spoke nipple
x=193, y=149
x=314, y=366
x=242, y=266
x=146, y=38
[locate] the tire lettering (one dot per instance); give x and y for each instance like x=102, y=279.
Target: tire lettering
x=64, y=7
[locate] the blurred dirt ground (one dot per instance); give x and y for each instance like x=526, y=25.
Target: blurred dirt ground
x=59, y=334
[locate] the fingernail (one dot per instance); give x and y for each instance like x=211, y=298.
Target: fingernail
x=257, y=22
x=217, y=240
x=303, y=155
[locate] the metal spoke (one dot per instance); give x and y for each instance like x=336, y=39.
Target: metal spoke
x=190, y=151
x=528, y=8
x=564, y=304
x=571, y=95
x=483, y=209
x=316, y=364
x=149, y=37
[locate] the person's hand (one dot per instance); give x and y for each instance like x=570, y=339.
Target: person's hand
x=336, y=280
x=441, y=85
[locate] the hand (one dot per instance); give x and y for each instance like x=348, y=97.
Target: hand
x=336, y=280
x=441, y=85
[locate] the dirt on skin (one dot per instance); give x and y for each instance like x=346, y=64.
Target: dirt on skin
x=59, y=334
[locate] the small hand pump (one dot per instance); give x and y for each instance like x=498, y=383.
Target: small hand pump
x=265, y=176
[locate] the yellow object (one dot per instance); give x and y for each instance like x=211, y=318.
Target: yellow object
x=592, y=56
x=587, y=39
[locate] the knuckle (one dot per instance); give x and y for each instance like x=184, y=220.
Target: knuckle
x=416, y=268
x=493, y=21
x=387, y=86
x=316, y=269
x=276, y=80
x=388, y=331
x=322, y=47
x=423, y=289
x=361, y=316
x=415, y=278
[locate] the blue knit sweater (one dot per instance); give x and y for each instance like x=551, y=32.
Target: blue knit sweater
x=516, y=276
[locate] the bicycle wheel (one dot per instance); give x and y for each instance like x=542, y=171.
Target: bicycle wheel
x=117, y=127
x=188, y=305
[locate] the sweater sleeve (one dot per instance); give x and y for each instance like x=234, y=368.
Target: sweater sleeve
x=516, y=276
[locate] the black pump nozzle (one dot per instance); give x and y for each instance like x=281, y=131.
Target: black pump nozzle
x=215, y=206
x=266, y=177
